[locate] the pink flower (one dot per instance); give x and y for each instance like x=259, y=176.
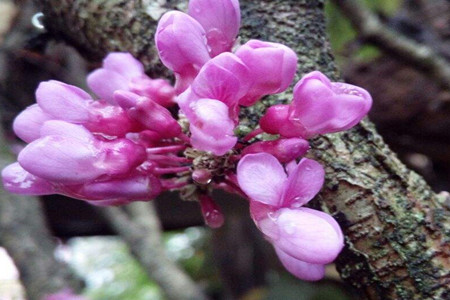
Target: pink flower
x=220, y=19
x=60, y=101
x=181, y=43
x=148, y=113
x=121, y=71
x=304, y=238
x=319, y=106
x=70, y=154
x=65, y=294
x=272, y=67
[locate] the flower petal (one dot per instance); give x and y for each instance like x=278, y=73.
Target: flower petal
x=28, y=123
x=63, y=101
x=301, y=269
x=306, y=236
x=123, y=63
x=261, y=177
x=303, y=183
x=17, y=180
x=105, y=82
x=220, y=19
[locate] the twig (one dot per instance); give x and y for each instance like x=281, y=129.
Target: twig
x=139, y=227
x=373, y=31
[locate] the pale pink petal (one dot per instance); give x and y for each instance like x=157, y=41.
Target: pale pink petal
x=60, y=159
x=225, y=78
x=211, y=127
x=262, y=178
x=17, y=180
x=159, y=90
x=220, y=19
x=181, y=44
x=27, y=124
x=63, y=128
x=104, y=83
x=305, y=236
x=63, y=101
x=119, y=156
x=123, y=63
x=272, y=67
x=301, y=269
x=322, y=106
x=303, y=183
x=118, y=191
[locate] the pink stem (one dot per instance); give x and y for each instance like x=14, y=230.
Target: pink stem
x=161, y=171
x=167, y=149
x=252, y=134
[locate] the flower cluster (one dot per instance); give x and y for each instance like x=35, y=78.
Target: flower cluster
x=142, y=136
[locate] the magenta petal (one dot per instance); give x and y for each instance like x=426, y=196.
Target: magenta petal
x=211, y=127
x=123, y=63
x=60, y=159
x=118, y=191
x=300, y=269
x=27, y=124
x=181, y=43
x=225, y=77
x=322, y=106
x=261, y=177
x=272, y=66
x=57, y=127
x=63, y=101
x=220, y=19
x=17, y=180
x=104, y=83
x=303, y=183
x=305, y=236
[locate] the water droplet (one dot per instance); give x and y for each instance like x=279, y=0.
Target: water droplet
x=36, y=21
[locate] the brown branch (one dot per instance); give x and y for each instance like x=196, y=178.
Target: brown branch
x=396, y=228
x=139, y=227
x=372, y=30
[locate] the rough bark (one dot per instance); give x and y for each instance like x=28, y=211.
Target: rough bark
x=396, y=228
x=24, y=234
x=139, y=227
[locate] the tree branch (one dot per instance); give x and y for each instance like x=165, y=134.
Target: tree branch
x=139, y=227
x=372, y=30
x=396, y=228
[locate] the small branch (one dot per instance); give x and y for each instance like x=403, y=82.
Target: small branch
x=372, y=30
x=139, y=227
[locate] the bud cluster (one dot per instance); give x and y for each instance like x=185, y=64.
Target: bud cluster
x=142, y=136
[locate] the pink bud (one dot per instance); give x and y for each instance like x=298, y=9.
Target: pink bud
x=322, y=106
x=181, y=43
x=211, y=212
x=284, y=150
x=17, y=180
x=271, y=65
x=276, y=121
x=28, y=123
x=301, y=269
x=63, y=101
x=149, y=113
x=212, y=128
x=221, y=21
x=158, y=90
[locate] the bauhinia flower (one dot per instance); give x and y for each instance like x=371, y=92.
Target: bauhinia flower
x=319, y=106
x=304, y=239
